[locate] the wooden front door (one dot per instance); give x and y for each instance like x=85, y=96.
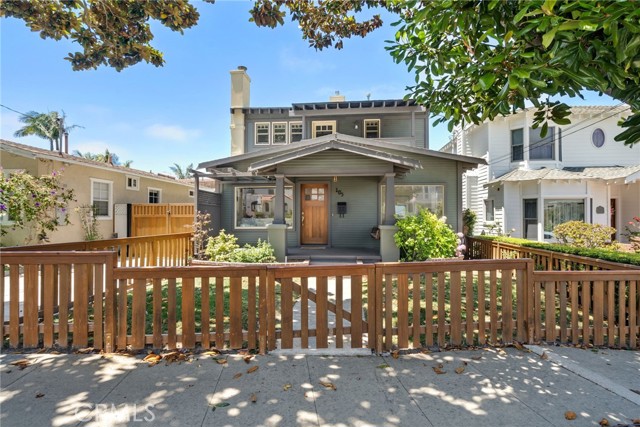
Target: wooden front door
x=314, y=219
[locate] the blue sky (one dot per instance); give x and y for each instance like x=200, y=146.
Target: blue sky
x=179, y=113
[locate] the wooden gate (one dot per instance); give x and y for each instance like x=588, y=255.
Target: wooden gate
x=152, y=219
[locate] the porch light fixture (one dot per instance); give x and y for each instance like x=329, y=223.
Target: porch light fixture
x=335, y=179
x=355, y=125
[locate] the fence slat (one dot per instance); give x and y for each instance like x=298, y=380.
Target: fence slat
x=304, y=313
x=586, y=310
x=14, y=305
x=563, y=311
x=507, y=306
x=415, y=321
x=441, y=312
x=573, y=289
x=403, y=310
x=455, y=296
x=122, y=314
x=521, y=308
x=81, y=284
x=138, y=312
x=271, y=310
x=251, y=312
x=188, y=312
x=30, y=306
x=482, y=309
x=633, y=321
x=388, y=311
x=157, y=313
x=220, y=312
x=98, y=290
x=286, y=307
x=598, y=303
x=321, y=312
x=172, y=321
x=428, y=316
x=235, y=313
x=550, y=311
x=47, y=302
x=493, y=306
x=611, y=314
x=356, y=311
x=469, y=307
x=622, y=313
x=205, y=312
x=339, y=298
x=262, y=312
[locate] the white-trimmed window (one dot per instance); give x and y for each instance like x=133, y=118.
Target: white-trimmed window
x=559, y=211
x=517, y=145
x=371, y=128
x=542, y=148
x=155, y=195
x=410, y=199
x=133, y=182
x=280, y=133
x=192, y=193
x=102, y=198
x=323, y=128
x=295, y=131
x=255, y=206
x=263, y=134
x=489, y=209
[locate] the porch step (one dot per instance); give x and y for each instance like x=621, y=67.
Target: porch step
x=334, y=259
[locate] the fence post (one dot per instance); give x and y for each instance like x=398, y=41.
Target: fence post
x=528, y=301
x=378, y=307
x=110, y=329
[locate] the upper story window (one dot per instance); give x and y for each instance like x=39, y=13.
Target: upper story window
x=102, y=198
x=323, y=128
x=280, y=133
x=372, y=128
x=517, y=145
x=295, y=131
x=597, y=138
x=262, y=133
x=154, y=195
x=133, y=183
x=542, y=148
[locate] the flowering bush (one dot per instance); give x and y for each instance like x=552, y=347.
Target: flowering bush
x=582, y=235
x=633, y=233
x=424, y=236
x=87, y=214
x=38, y=204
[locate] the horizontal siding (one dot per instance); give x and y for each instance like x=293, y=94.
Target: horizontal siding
x=361, y=196
x=334, y=162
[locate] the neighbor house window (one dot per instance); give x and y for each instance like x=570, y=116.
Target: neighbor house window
x=323, y=128
x=410, y=199
x=255, y=206
x=262, y=134
x=489, y=206
x=372, y=128
x=530, y=209
x=102, y=198
x=133, y=183
x=154, y=195
x=280, y=133
x=559, y=211
x=192, y=193
x=295, y=130
x=517, y=145
x=542, y=148
x=597, y=138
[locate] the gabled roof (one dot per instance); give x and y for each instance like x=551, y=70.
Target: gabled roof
x=628, y=174
x=372, y=148
x=35, y=152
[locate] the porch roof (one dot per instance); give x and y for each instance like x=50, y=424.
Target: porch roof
x=624, y=174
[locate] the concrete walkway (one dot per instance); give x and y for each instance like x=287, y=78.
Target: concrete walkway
x=511, y=388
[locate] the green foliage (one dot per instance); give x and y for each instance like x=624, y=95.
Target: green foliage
x=424, y=236
x=469, y=219
x=224, y=248
x=582, y=235
x=632, y=231
x=106, y=157
x=44, y=125
x=89, y=222
x=200, y=232
x=179, y=172
x=36, y=203
x=603, y=254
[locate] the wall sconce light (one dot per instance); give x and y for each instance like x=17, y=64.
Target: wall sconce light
x=335, y=179
x=355, y=124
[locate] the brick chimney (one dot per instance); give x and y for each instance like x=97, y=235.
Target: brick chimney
x=240, y=85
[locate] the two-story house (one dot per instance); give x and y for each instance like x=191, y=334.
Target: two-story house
x=530, y=184
x=320, y=174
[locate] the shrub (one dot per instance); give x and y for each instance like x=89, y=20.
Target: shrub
x=224, y=248
x=89, y=222
x=469, y=221
x=582, y=235
x=261, y=253
x=424, y=236
x=221, y=247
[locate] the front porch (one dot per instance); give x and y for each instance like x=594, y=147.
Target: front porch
x=317, y=255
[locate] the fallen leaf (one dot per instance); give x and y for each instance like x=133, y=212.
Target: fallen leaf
x=248, y=358
x=327, y=384
x=42, y=350
x=86, y=350
x=21, y=364
x=212, y=352
x=254, y=398
x=383, y=366
x=174, y=356
x=518, y=346
x=425, y=351
x=252, y=369
x=438, y=370
x=238, y=375
x=222, y=405
x=476, y=357
x=395, y=354
x=570, y=415
x=152, y=358
x=39, y=395
x=221, y=361
x=459, y=370
x=287, y=386
x=501, y=352
x=544, y=356
x=636, y=421
x=604, y=422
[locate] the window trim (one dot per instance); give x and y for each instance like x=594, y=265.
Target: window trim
x=110, y=201
x=492, y=201
x=317, y=123
x=511, y=145
x=192, y=193
x=132, y=188
x=582, y=200
x=604, y=138
x=546, y=138
x=255, y=136
x=159, y=190
x=236, y=200
x=273, y=133
x=364, y=128
x=290, y=139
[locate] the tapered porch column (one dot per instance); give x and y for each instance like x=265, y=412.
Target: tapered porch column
x=277, y=232
x=278, y=212
x=388, y=249
x=390, y=197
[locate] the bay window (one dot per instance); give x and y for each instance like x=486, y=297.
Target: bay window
x=255, y=208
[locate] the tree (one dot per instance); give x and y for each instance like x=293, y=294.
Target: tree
x=106, y=157
x=473, y=59
x=45, y=126
x=179, y=172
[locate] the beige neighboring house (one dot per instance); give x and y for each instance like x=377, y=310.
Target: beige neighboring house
x=98, y=183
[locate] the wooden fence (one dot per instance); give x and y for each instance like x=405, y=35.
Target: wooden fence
x=152, y=219
x=164, y=250
x=379, y=306
x=543, y=259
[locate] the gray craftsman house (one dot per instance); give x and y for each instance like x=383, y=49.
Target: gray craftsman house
x=320, y=174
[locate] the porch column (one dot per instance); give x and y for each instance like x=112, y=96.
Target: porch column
x=278, y=209
x=390, y=198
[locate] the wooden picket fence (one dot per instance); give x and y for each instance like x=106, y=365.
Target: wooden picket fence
x=378, y=306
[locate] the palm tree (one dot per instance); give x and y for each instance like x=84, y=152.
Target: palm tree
x=45, y=126
x=179, y=172
x=106, y=157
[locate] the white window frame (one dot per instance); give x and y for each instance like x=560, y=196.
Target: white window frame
x=364, y=128
x=236, y=196
x=301, y=133
x=192, y=193
x=273, y=133
x=490, y=203
x=110, y=201
x=136, y=179
x=159, y=190
x=315, y=124
x=255, y=128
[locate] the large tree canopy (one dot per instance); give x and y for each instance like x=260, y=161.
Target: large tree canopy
x=473, y=59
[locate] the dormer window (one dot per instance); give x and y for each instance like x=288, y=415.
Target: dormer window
x=262, y=134
x=295, y=131
x=372, y=128
x=280, y=133
x=323, y=128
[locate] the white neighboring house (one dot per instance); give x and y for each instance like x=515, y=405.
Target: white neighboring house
x=531, y=184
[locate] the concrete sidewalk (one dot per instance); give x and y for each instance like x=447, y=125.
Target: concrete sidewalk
x=496, y=388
